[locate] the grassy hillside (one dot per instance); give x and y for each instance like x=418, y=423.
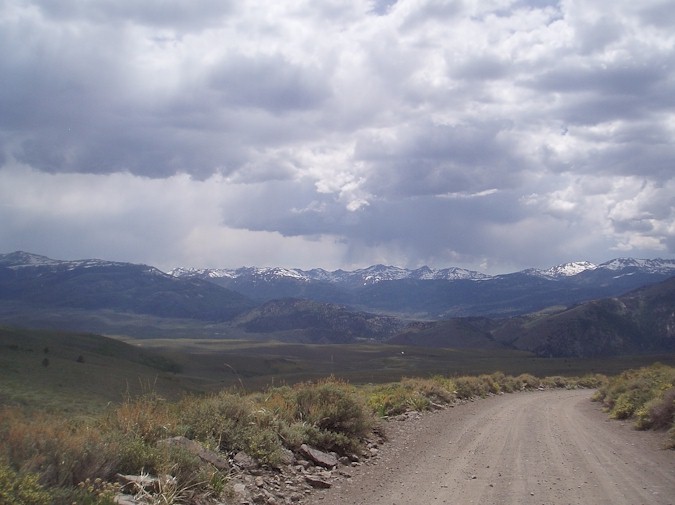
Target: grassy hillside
x=79, y=372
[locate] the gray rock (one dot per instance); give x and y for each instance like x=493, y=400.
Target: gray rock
x=316, y=482
x=318, y=457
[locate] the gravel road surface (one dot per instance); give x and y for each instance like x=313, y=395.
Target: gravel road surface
x=538, y=448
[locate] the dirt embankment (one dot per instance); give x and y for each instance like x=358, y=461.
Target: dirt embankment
x=551, y=447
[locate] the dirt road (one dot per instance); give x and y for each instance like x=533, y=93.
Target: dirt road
x=549, y=447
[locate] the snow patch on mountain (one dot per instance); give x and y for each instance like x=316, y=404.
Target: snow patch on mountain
x=370, y=275
x=561, y=271
x=20, y=259
x=648, y=266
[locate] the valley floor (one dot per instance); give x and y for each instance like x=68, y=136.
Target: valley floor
x=547, y=447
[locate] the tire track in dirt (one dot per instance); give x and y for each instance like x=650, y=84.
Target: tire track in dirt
x=550, y=447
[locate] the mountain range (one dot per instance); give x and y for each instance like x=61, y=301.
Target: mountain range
x=425, y=293
x=576, y=309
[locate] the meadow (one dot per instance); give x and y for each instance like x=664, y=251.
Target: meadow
x=254, y=365
x=78, y=372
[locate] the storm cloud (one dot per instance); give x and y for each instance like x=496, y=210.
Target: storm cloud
x=493, y=135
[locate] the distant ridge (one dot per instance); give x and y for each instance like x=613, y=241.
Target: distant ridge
x=443, y=293
x=363, y=276
x=381, y=273
x=221, y=294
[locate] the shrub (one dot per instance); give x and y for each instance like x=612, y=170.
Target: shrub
x=627, y=403
x=659, y=412
x=333, y=407
x=134, y=454
x=590, y=381
x=555, y=381
x=228, y=422
x=527, y=381
x=389, y=400
x=437, y=389
x=148, y=418
x=508, y=382
x=221, y=420
x=647, y=394
x=21, y=488
x=491, y=383
x=61, y=452
x=468, y=387
x=329, y=414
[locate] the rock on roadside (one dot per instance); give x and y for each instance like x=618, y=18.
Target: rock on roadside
x=318, y=457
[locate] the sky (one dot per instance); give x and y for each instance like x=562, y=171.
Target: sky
x=493, y=135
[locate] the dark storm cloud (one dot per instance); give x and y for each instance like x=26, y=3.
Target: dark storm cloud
x=429, y=159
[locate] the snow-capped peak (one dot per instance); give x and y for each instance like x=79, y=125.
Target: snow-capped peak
x=648, y=266
x=562, y=271
x=569, y=269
